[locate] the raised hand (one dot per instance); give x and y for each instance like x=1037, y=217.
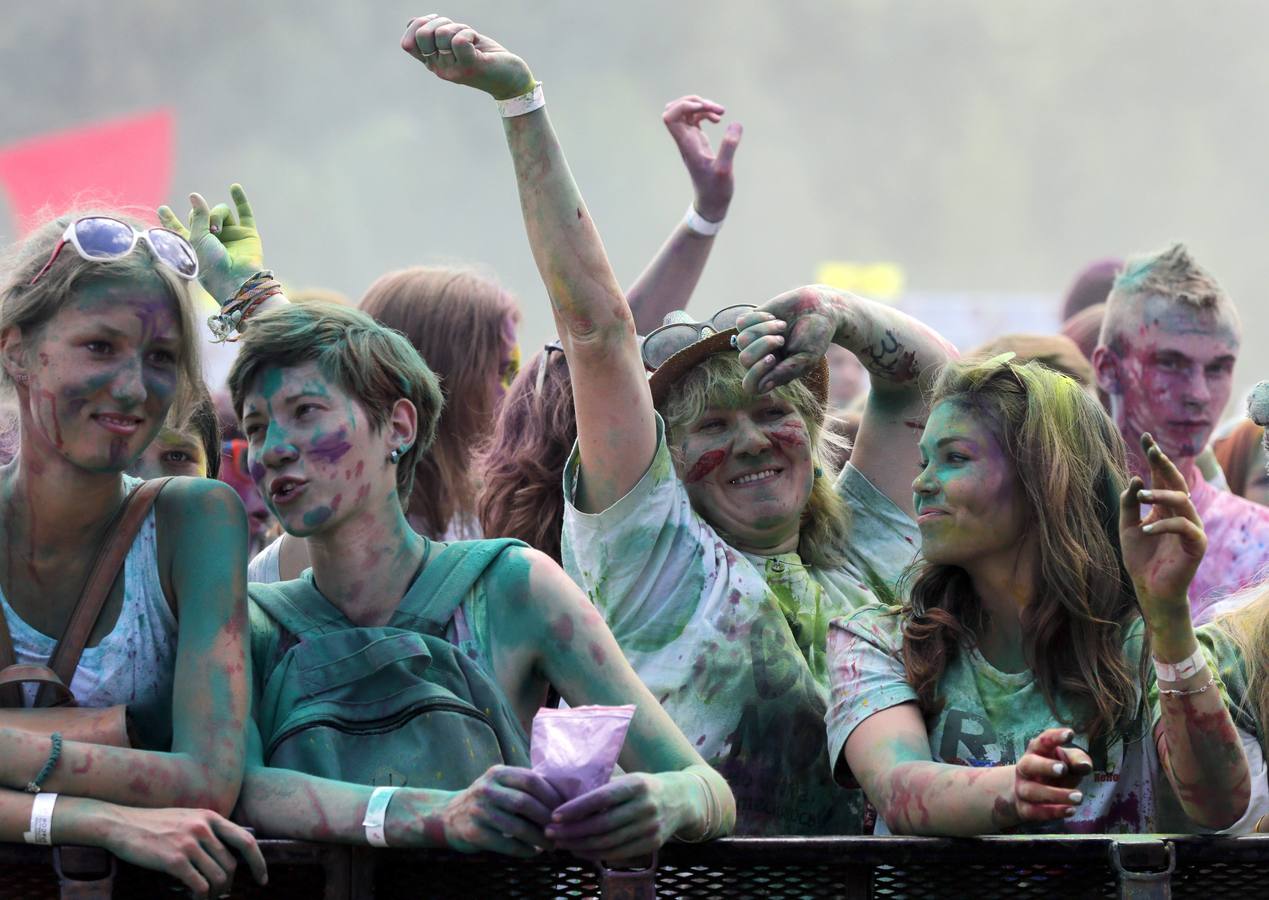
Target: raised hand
x=1047, y=777
x=711, y=174
x=456, y=52
x=1162, y=551
x=504, y=810
x=226, y=241
x=784, y=338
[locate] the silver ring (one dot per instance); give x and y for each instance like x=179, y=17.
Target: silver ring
x=433, y=53
x=445, y=52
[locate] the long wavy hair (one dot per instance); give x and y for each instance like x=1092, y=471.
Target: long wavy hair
x=522, y=463
x=1071, y=466
x=456, y=319
x=1248, y=626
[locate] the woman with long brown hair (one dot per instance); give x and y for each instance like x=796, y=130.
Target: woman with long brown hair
x=1012, y=690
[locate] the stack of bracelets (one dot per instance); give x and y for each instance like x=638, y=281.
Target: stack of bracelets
x=228, y=323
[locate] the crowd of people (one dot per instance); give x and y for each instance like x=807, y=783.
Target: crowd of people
x=850, y=579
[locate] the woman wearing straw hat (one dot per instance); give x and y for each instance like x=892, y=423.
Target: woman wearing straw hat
x=703, y=519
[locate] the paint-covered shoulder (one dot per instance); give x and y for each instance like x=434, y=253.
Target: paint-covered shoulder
x=876, y=623
x=185, y=497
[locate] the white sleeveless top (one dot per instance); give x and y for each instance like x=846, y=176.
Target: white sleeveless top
x=136, y=662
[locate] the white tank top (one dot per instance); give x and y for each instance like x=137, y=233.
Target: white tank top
x=135, y=663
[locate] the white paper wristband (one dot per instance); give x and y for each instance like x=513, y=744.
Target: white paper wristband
x=1175, y=672
x=524, y=104
x=41, y=820
x=376, y=812
x=701, y=225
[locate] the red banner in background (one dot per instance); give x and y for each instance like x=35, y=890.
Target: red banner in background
x=118, y=163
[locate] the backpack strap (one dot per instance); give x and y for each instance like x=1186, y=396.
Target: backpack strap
x=433, y=599
x=298, y=606
x=101, y=578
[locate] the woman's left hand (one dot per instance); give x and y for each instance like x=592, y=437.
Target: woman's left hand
x=630, y=816
x=226, y=241
x=786, y=337
x=1162, y=551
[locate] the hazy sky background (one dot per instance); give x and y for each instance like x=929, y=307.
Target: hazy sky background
x=980, y=144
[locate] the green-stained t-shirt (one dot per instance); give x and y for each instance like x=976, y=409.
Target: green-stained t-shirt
x=989, y=718
x=732, y=644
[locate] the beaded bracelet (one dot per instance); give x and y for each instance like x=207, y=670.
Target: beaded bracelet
x=54, y=754
x=226, y=326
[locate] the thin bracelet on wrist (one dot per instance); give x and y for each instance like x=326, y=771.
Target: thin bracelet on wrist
x=36, y=785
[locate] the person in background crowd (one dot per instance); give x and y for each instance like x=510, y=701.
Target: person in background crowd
x=1054, y=351
x=1011, y=691
x=98, y=344
x=727, y=628
x=847, y=381
x=1084, y=328
x=1241, y=456
x=186, y=446
x=1165, y=357
x=1091, y=287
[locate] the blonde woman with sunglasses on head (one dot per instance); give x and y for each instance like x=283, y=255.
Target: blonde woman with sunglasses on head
x=97, y=344
x=702, y=518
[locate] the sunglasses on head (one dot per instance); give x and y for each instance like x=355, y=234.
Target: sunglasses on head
x=543, y=361
x=664, y=342
x=104, y=238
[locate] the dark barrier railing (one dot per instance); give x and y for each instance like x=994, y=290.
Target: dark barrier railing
x=1146, y=866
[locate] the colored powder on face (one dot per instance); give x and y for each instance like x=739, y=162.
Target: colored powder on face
x=316, y=517
x=791, y=434
x=708, y=462
x=330, y=448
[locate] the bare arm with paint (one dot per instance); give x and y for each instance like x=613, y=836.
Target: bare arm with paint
x=672, y=275
x=195, y=846
x=504, y=811
x=205, y=524
x=545, y=628
x=787, y=336
x=889, y=755
x=616, y=430
x=1199, y=747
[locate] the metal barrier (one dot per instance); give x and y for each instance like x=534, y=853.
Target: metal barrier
x=1128, y=866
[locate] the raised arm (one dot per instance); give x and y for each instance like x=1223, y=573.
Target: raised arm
x=671, y=277
x=205, y=524
x=785, y=337
x=1199, y=747
x=615, y=426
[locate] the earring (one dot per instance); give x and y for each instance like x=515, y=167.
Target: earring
x=819, y=473
x=395, y=456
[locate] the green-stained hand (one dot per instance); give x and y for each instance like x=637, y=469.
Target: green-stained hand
x=225, y=239
x=1162, y=551
x=504, y=810
x=456, y=52
x=629, y=816
x=785, y=337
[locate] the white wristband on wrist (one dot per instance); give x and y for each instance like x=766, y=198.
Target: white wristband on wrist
x=524, y=104
x=701, y=225
x=376, y=812
x=41, y=820
x=1175, y=672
